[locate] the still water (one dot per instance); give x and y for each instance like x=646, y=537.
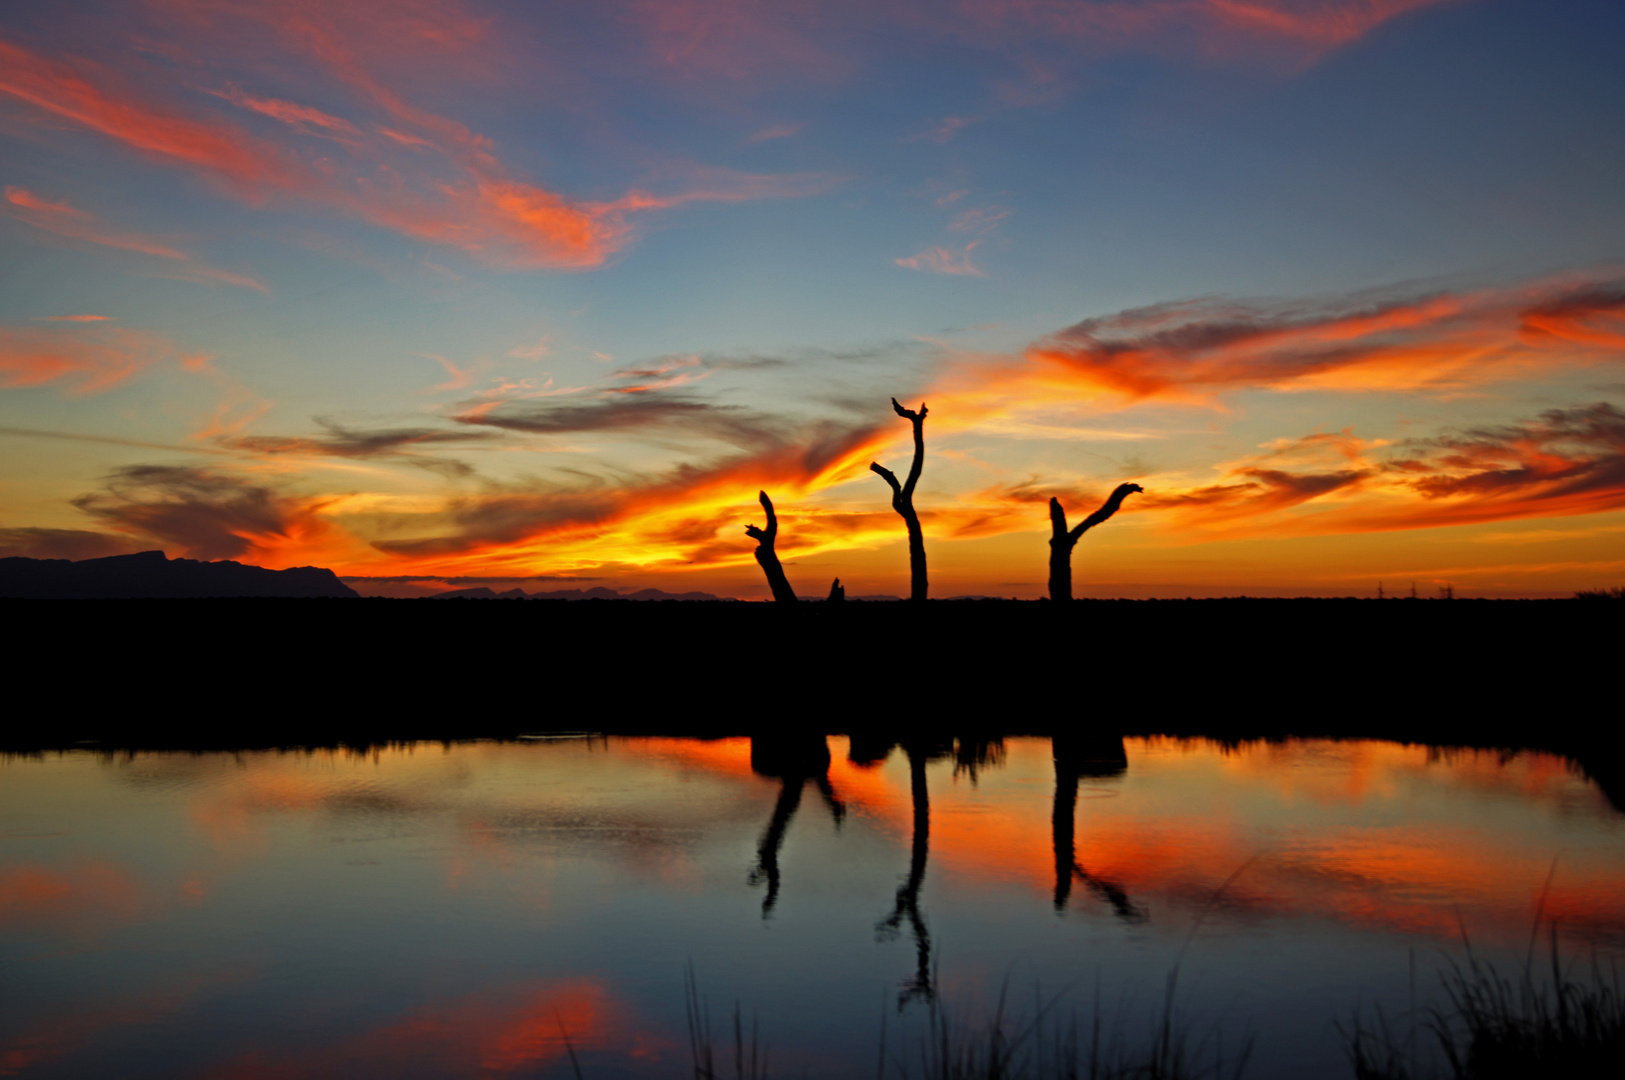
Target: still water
x=434, y=911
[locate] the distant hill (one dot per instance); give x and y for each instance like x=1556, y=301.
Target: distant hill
x=596, y=593
x=149, y=574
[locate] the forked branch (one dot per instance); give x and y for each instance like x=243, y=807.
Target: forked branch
x=1063, y=540
x=902, y=498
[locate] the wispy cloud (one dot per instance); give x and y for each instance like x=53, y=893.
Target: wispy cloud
x=69, y=221
x=941, y=260
x=776, y=131
x=1439, y=342
x=84, y=358
x=461, y=195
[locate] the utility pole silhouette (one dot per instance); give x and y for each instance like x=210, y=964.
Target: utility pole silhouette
x=902, y=499
x=1062, y=542
x=766, y=557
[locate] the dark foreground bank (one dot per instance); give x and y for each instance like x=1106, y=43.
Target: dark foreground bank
x=1513, y=674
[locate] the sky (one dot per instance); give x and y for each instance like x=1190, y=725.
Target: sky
x=449, y=293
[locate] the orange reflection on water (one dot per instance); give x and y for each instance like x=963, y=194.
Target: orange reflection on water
x=82, y=892
x=1379, y=834
x=511, y=1029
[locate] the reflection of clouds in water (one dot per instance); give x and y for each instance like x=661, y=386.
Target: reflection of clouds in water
x=82, y=896
x=1372, y=834
x=516, y=1028
x=648, y=803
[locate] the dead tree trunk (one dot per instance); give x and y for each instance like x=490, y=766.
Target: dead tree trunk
x=1062, y=542
x=902, y=500
x=766, y=557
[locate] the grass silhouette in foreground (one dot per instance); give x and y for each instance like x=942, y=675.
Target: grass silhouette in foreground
x=1002, y=1047
x=1495, y=1027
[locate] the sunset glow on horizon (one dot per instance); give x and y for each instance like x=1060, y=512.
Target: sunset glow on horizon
x=467, y=292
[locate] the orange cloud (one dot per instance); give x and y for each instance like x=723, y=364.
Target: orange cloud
x=88, y=358
x=452, y=190
x=295, y=115
x=462, y=196
x=512, y=1029
x=91, y=98
x=1566, y=462
x=1193, y=351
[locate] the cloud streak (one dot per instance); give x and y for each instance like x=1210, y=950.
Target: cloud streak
x=1196, y=350
x=76, y=224
x=941, y=260
x=457, y=195
x=83, y=358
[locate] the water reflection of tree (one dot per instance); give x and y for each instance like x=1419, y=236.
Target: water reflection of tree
x=907, y=907
x=793, y=760
x=1076, y=757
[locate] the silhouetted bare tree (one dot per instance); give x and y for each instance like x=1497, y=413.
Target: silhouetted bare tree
x=766, y=557
x=836, y=592
x=902, y=499
x=1062, y=542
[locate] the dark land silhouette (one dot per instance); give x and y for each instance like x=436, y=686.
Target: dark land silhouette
x=149, y=574
x=596, y=592
x=902, y=500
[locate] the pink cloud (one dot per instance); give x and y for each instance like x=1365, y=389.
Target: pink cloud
x=85, y=358
x=939, y=260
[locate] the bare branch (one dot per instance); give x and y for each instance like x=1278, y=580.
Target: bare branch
x=1107, y=509
x=772, y=519
x=886, y=475
x=1057, y=518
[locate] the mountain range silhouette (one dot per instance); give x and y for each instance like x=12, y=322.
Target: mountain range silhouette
x=150, y=574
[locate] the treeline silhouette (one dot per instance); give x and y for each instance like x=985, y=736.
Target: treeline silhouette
x=1509, y=674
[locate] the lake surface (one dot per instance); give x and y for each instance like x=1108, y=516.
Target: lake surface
x=433, y=911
